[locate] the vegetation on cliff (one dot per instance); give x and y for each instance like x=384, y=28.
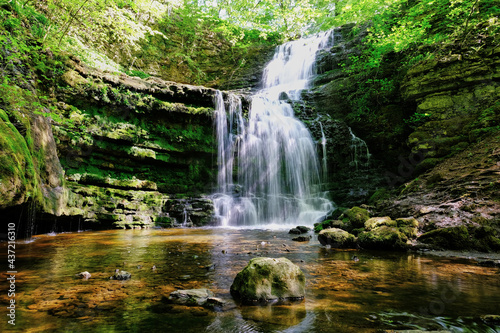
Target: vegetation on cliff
x=417, y=80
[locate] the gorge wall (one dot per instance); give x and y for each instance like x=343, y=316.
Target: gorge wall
x=434, y=139
x=110, y=150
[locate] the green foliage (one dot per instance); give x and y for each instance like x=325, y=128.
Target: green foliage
x=417, y=119
x=137, y=73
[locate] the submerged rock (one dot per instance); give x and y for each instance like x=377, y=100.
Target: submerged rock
x=191, y=297
x=266, y=280
x=84, y=275
x=121, y=275
x=337, y=238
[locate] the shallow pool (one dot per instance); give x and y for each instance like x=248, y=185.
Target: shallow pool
x=346, y=290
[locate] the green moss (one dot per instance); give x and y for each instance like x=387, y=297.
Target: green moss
x=357, y=216
x=454, y=238
x=462, y=238
x=383, y=238
x=337, y=238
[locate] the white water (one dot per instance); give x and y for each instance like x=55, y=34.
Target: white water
x=324, y=161
x=360, y=155
x=278, y=169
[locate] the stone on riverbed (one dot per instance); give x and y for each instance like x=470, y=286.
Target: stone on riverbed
x=121, y=275
x=266, y=280
x=190, y=297
x=302, y=239
x=337, y=238
x=84, y=275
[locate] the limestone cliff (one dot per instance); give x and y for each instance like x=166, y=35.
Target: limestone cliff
x=434, y=139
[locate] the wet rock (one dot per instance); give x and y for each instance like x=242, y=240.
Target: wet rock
x=303, y=229
x=302, y=239
x=488, y=263
x=337, y=238
x=84, y=275
x=333, y=224
x=375, y=222
x=121, y=275
x=383, y=238
x=214, y=303
x=408, y=226
x=357, y=216
x=295, y=231
x=190, y=297
x=491, y=319
x=266, y=280
x=416, y=331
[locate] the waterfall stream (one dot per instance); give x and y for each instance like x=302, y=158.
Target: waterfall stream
x=279, y=173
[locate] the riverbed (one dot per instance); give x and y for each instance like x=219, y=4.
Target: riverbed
x=346, y=290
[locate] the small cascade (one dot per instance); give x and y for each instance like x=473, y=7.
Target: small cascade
x=279, y=173
x=360, y=155
x=324, y=157
x=28, y=214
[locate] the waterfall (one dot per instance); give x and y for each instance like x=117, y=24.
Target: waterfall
x=279, y=173
x=324, y=158
x=360, y=155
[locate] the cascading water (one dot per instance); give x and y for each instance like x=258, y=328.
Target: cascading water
x=324, y=161
x=360, y=155
x=279, y=174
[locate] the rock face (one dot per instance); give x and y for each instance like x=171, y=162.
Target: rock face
x=268, y=280
x=135, y=147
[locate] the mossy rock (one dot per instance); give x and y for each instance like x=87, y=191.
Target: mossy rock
x=376, y=222
x=408, y=226
x=485, y=239
x=266, y=280
x=383, y=238
x=453, y=238
x=357, y=216
x=333, y=224
x=337, y=238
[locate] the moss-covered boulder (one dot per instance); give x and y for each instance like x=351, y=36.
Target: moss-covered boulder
x=376, y=222
x=408, y=226
x=337, y=238
x=454, y=238
x=357, y=216
x=462, y=238
x=333, y=224
x=383, y=238
x=266, y=280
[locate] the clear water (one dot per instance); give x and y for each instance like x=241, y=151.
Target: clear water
x=279, y=174
x=381, y=291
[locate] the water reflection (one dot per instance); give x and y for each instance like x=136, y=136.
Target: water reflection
x=342, y=294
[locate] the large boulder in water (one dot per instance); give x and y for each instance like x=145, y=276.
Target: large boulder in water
x=266, y=280
x=337, y=238
x=383, y=238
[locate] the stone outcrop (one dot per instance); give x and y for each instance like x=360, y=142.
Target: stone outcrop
x=266, y=280
x=136, y=153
